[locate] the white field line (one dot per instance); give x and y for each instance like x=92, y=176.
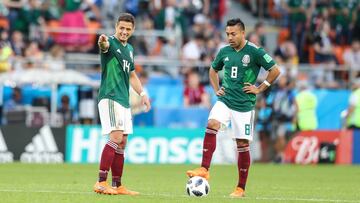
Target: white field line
x=285, y=199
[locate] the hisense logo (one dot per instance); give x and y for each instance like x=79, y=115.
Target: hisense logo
x=42, y=148
x=5, y=155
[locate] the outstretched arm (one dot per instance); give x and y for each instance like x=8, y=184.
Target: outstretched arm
x=136, y=85
x=103, y=43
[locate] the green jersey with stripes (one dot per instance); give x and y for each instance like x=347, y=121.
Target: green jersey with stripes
x=240, y=67
x=116, y=66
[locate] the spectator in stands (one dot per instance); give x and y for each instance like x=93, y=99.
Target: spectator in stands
x=193, y=49
x=352, y=58
x=305, y=104
x=342, y=19
x=34, y=56
x=201, y=26
x=73, y=17
x=30, y=19
x=55, y=59
x=192, y=52
x=286, y=56
x=65, y=110
x=14, y=7
x=5, y=54
x=323, y=45
x=194, y=93
x=15, y=103
x=353, y=112
x=17, y=43
x=260, y=31
x=282, y=115
x=298, y=11
x=171, y=18
x=254, y=38
x=324, y=55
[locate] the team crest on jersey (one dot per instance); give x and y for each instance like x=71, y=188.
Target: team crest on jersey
x=245, y=60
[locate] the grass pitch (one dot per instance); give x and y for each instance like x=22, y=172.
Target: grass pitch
x=166, y=183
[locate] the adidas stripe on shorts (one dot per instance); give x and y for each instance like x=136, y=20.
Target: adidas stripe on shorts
x=242, y=123
x=113, y=116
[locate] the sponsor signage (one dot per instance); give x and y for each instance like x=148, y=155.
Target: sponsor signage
x=310, y=147
x=84, y=144
x=32, y=145
x=5, y=155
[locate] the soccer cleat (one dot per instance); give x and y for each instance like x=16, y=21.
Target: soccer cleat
x=104, y=188
x=122, y=190
x=202, y=172
x=238, y=192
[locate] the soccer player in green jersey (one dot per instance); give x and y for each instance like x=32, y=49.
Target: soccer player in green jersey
x=241, y=61
x=117, y=72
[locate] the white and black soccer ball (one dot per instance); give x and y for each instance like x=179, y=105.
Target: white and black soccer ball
x=197, y=186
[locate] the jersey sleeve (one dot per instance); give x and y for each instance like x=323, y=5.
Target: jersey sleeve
x=132, y=55
x=218, y=63
x=264, y=60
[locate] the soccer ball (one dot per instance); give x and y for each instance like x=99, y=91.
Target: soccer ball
x=197, y=186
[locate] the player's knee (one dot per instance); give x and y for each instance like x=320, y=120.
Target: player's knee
x=213, y=124
x=116, y=136
x=242, y=143
x=122, y=145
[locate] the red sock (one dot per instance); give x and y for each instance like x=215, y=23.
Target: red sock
x=106, y=160
x=243, y=165
x=209, y=147
x=117, y=167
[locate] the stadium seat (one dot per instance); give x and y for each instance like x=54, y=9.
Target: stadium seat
x=311, y=50
x=93, y=26
x=4, y=23
x=284, y=35
x=339, y=52
x=52, y=24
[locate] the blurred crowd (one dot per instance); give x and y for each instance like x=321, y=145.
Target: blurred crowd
x=42, y=30
x=325, y=33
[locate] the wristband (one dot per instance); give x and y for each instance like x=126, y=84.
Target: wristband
x=266, y=83
x=142, y=93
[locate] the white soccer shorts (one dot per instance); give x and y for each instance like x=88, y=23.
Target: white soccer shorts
x=242, y=123
x=113, y=116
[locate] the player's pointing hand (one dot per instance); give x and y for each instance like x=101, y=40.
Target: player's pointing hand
x=103, y=43
x=103, y=38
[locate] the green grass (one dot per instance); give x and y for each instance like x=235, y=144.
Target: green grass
x=166, y=183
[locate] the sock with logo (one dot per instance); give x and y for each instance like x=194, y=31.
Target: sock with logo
x=106, y=160
x=117, y=167
x=243, y=165
x=209, y=146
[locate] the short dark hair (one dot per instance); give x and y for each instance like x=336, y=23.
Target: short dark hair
x=126, y=17
x=236, y=21
x=258, y=25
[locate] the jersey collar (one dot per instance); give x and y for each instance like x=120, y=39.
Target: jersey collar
x=246, y=41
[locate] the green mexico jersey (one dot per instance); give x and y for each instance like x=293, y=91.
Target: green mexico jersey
x=240, y=67
x=116, y=66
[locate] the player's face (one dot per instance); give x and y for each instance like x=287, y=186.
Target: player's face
x=124, y=30
x=235, y=35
